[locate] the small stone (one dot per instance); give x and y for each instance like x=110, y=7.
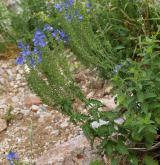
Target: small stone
x=25, y=112
x=42, y=108
x=15, y=99
x=12, y=83
x=4, y=66
x=3, y=125
x=10, y=78
x=97, y=124
x=35, y=108
x=9, y=72
x=15, y=86
x=55, y=132
x=1, y=71
x=90, y=95
x=19, y=116
x=64, y=124
x=21, y=71
x=45, y=115
x=119, y=121
x=26, y=68
x=56, y=119
x=2, y=81
x=41, y=120
x=18, y=82
x=32, y=100
x=109, y=103
x=2, y=101
x=70, y=136
x=3, y=106
x=18, y=77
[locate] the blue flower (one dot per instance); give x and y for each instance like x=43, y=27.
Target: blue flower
x=48, y=27
x=70, y=2
x=117, y=68
x=62, y=34
x=25, y=51
x=32, y=61
x=80, y=17
x=59, y=7
x=39, y=53
x=35, y=50
x=39, y=39
x=54, y=34
x=40, y=57
x=88, y=5
x=76, y=15
x=20, y=45
x=68, y=17
x=11, y=156
x=20, y=60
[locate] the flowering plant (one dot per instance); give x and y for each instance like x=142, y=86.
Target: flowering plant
x=114, y=47
x=12, y=157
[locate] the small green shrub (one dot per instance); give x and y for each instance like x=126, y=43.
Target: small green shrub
x=135, y=122
x=54, y=82
x=137, y=85
x=109, y=31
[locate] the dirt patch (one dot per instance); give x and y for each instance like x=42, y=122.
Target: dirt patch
x=10, y=52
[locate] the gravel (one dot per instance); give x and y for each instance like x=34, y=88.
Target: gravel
x=34, y=122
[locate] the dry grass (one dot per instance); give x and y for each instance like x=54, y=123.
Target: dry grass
x=11, y=51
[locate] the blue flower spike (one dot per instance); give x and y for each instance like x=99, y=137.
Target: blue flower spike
x=25, y=51
x=11, y=157
x=48, y=27
x=39, y=39
x=34, y=55
x=20, y=60
x=117, y=68
x=71, y=2
x=58, y=7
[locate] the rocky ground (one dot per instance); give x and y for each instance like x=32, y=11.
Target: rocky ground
x=34, y=130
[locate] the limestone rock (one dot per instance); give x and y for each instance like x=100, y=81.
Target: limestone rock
x=108, y=102
x=34, y=108
x=3, y=125
x=65, y=124
x=55, y=132
x=32, y=100
x=75, y=151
